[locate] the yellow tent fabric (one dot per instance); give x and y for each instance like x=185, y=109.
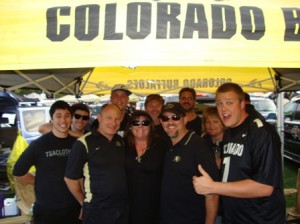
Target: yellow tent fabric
x=80, y=33
x=169, y=80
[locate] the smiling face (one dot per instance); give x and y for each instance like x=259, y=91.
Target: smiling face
x=119, y=98
x=154, y=108
x=61, y=121
x=78, y=122
x=175, y=129
x=214, y=126
x=231, y=108
x=140, y=129
x=109, y=120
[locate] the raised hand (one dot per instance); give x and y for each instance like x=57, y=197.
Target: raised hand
x=203, y=184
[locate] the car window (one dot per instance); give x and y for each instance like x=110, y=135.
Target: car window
x=33, y=119
x=289, y=110
x=11, y=117
x=297, y=112
x=264, y=105
x=203, y=102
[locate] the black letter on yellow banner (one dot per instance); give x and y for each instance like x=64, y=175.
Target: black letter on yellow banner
x=143, y=19
x=223, y=29
x=57, y=32
x=292, y=24
x=164, y=19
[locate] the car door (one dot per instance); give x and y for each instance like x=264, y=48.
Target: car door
x=292, y=130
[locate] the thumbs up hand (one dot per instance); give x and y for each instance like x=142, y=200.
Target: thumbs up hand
x=203, y=184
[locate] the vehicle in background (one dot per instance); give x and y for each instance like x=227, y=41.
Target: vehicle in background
x=203, y=100
x=292, y=130
x=140, y=105
x=17, y=113
x=265, y=106
x=95, y=109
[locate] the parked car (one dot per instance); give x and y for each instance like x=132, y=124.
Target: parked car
x=203, y=101
x=265, y=106
x=21, y=114
x=292, y=130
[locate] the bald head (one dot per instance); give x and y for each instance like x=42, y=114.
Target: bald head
x=109, y=120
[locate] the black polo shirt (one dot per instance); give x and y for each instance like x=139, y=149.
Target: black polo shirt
x=101, y=163
x=179, y=201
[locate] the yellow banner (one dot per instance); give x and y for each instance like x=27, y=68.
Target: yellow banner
x=146, y=80
x=39, y=34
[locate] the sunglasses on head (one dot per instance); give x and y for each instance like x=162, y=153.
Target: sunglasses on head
x=84, y=117
x=139, y=123
x=173, y=117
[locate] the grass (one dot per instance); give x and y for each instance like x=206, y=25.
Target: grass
x=290, y=178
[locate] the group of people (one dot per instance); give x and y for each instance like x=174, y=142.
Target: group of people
x=161, y=165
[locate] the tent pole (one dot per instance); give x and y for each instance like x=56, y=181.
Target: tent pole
x=280, y=118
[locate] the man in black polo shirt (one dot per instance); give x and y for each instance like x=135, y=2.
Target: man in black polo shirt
x=98, y=157
x=179, y=202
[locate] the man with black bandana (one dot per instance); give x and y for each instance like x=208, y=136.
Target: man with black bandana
x=99, y=157
x=252, y=182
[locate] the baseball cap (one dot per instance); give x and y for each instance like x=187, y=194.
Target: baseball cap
x=121, y=87
x=173, y=107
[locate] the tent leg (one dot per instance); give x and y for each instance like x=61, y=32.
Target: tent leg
x=280, y=122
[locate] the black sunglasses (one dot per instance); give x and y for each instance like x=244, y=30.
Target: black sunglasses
x=84, y=117
x=173, y=117
x=138, y=123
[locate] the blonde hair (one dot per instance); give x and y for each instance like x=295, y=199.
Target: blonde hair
x=209, y=111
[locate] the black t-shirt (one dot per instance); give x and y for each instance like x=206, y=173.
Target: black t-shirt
x=195, y=125
x=252, y=151
x=101, y=163
x=180, y=204
x=49, y=155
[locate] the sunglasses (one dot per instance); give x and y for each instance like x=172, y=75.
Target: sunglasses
x=173, y=117
x=139, y=123
x=84, y=117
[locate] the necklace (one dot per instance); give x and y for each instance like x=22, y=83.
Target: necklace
x=139, y=157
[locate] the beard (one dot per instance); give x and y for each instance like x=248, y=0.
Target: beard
x=173, y=135
x=189, y=109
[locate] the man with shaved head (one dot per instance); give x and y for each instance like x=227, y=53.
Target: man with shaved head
x=98, y=157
